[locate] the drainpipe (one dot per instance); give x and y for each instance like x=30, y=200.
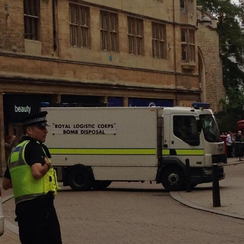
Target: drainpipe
x=54, y=9
x=175, y=63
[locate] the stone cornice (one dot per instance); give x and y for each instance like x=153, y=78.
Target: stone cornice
x=57, y=60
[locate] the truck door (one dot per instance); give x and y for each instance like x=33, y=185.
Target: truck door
x=185, y=139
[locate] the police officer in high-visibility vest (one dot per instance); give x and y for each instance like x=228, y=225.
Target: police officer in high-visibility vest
x=30, y=174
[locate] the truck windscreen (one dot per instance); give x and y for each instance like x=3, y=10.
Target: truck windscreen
x=210, y=128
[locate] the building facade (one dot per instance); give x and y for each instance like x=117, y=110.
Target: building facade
x=210, y=64
x=100, y=53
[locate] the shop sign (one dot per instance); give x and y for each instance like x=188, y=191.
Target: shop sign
x=22, y=109
x=16, y=107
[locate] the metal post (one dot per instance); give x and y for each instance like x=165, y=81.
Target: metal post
x=216, y=192
x=188, y=176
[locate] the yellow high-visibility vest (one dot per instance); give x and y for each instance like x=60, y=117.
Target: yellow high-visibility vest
x=25, y=186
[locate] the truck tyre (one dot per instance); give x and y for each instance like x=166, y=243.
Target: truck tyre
x=193, y=185
x=101, y=184
x=173, y=179
x=80, y=179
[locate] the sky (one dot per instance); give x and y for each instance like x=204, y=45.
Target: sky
x=235, y=1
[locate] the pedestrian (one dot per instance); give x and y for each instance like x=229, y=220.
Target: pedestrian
x=34, y=183
x=238, y=145
x=9, y=145
x=229, y=142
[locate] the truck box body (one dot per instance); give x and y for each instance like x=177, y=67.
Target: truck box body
x=129, y=144
x=117, y=144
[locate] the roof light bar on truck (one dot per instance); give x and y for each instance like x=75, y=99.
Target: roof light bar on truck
x=198, y=105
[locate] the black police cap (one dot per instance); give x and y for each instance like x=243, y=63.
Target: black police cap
x=35, y=119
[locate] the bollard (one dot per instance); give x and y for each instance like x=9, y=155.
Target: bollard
x=188, y=176
x=216, y=193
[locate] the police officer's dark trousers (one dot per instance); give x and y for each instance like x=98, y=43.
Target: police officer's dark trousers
x=38, y=222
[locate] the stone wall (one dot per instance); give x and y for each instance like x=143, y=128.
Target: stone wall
x=208, y=41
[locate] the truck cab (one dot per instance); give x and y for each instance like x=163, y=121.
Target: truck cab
x=191, y=134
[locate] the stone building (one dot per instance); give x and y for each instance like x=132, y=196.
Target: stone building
x=103, y=53
x=210, y=64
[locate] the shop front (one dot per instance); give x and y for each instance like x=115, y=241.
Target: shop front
x=17, y=106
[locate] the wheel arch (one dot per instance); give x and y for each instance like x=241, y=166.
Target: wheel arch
x=168, y=162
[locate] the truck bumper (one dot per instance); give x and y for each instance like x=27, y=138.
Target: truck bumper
x=204, y=175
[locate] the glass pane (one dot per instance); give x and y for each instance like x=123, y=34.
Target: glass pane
x=154, y=48
x=104, y=40
x=31, y=25
x=139, y=28
x=185, y=128
x=27, y=27
x=73, y=15
x=131, y=26
x=182, y=5
x=104, y=20
x=83, y=17
x=183, y=36
x=35, y=29
x=192, y=53
x=184, y=52
x=158, y=49
x=153, y=31
x=31, y=7
x=162, y=50
x=161, y=34
x=139, y=46
x=113, y=22
x=131, y=44
x=210, y=128
x=191, y=37
x=113, y=42
x=84, y=37
x=36, y=7
x=73, y=36
x=26, y=7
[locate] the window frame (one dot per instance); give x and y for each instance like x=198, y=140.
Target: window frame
x=185, y=128
x=79, y=25
x=31, y=19
x=159, y=40
x=183, y=6
x=109, y=33
x=135, y=35
x=188, y=45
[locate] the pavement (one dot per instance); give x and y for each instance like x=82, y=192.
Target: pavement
x=201, y=198
x=231, y=193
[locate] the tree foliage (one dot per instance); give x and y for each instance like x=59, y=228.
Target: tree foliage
x=231, y=34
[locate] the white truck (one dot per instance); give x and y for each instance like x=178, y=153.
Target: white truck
x=92, y=147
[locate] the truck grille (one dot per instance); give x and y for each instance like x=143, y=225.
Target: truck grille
x=219, y=159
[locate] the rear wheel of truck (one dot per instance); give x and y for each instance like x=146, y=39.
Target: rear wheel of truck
x=80, y=179
x=173, y=179
x=101, y=184
x=193, y=185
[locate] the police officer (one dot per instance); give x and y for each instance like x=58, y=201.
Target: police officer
x=34, y=183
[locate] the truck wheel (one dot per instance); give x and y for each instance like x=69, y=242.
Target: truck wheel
x=100, y=184
x=173, y=179
x=193, y=185
x=80, y=179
